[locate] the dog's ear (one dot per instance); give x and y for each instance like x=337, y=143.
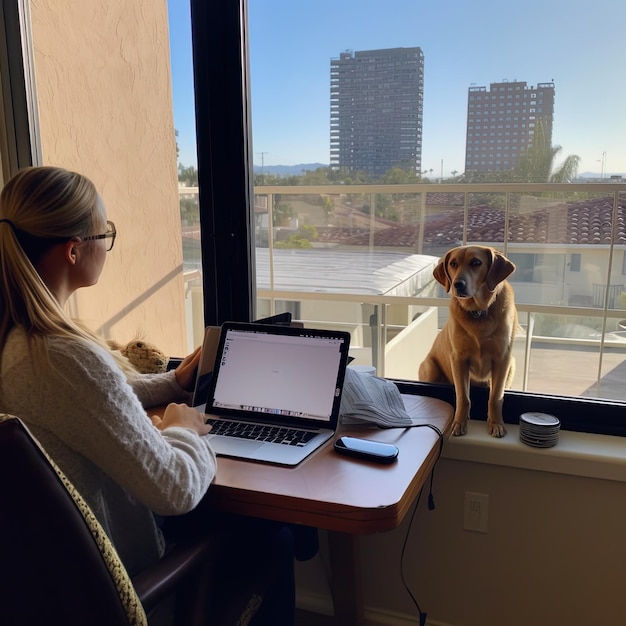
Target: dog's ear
x=441, y=272
x=500, y=268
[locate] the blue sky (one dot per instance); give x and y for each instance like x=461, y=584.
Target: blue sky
x=578, y=44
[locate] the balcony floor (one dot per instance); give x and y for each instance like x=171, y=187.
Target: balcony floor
x=571, y=370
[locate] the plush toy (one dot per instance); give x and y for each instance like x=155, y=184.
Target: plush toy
x=144, y=356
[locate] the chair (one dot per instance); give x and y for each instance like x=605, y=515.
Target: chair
x=58, y=566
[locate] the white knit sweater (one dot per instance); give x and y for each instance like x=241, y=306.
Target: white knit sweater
x=93, y=423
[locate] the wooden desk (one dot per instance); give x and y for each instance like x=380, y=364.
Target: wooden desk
x=345, y=496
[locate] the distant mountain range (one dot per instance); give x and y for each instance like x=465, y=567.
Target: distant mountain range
x=287, y=170
x=597, y=175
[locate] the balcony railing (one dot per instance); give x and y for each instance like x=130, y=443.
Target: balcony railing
x=567, y=240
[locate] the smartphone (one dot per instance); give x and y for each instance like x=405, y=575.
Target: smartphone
x=366, y=449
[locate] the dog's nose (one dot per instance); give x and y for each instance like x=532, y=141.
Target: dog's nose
x=459, y=286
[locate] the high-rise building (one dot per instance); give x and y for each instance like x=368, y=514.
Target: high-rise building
x=502, y=121
x=376, y=109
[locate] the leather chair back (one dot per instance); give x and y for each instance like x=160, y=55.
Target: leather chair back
x=57, y=564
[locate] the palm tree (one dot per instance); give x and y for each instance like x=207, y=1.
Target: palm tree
x=537, y=163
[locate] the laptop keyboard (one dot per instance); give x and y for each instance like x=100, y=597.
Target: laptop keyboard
x=256, y=432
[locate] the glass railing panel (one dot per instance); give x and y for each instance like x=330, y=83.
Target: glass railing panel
x=571, y=356
x=611, y=382
x=486, y=222
x=190, y=227
x=343, y=243
x=440, y=222
x=562, y=244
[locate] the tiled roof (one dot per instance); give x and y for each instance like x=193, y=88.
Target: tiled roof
x=438, y=198
x=584, y=223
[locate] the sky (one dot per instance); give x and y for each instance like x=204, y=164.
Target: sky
x=579, y=45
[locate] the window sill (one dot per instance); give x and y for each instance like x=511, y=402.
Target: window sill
x=576, y=454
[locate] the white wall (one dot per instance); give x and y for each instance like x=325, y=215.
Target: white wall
x=405, y=352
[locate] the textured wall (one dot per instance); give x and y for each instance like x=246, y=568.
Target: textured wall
x=103, y=85
x=553, y=555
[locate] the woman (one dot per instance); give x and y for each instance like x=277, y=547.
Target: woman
x=83, y=402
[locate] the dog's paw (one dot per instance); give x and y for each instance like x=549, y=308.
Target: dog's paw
x=459, y=428
x=496, y=430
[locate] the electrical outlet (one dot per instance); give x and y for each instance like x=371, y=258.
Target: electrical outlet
x=476, y=512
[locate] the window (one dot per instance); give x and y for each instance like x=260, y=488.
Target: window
x=309, y=251
x=352, y=214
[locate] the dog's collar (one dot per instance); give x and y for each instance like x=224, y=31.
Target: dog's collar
x=478, y=314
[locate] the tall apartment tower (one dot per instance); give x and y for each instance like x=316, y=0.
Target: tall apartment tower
x=376, y=110
x=501, y=123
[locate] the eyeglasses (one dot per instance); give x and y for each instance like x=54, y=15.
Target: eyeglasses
x=110, y=234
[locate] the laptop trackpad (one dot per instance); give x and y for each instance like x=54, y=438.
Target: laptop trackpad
x=233, y=446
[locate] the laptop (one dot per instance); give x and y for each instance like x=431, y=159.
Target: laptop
x=275, y=391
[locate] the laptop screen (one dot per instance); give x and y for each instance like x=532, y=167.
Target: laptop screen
x=283, y=374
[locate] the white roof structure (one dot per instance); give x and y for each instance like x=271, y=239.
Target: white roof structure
x=325, y=270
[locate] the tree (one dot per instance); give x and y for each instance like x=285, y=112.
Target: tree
x=536, y=165
x=398, y=176
x=268, y=180
x=188, y=175
x=318, y=176
x=189, y=209
x=282, y=211
x=300, y=239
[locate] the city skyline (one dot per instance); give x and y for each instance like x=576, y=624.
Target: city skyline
x=292, y=44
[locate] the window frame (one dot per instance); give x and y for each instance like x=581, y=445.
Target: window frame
x=221, y=74
x=224, y=150
x=20, y=144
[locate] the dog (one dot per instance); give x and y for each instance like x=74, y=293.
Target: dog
x=475, y=344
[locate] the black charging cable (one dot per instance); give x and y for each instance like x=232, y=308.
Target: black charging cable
x=431, y=499
x=431, y=506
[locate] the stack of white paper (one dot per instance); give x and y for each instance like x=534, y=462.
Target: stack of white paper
x=374, y=400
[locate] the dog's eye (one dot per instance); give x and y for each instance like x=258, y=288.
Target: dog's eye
x=453, y=264
x=476, y=262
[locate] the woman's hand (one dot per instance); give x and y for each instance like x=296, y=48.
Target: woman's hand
x=187, y=370
x=183, y=416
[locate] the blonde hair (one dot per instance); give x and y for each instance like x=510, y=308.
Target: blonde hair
x=39, y=207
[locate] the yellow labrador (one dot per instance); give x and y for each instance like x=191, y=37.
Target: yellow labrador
x=476, y=342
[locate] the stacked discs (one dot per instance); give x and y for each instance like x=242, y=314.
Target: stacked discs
x=539, y=430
